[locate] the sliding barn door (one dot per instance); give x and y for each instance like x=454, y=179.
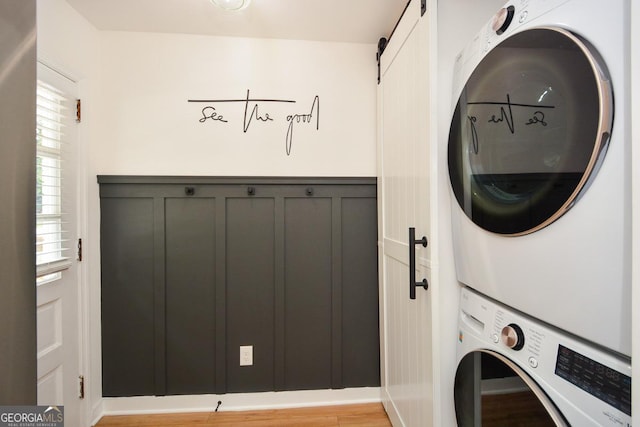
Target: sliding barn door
x=403, y=170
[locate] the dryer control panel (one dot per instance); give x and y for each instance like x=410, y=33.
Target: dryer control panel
x=505, y=21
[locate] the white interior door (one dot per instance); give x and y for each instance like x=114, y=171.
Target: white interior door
x=403, y=152
x=58, y=316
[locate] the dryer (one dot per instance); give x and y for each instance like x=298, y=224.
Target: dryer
x=511, y=367
x=539, y=166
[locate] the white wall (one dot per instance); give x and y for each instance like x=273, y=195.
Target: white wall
x=144, y=124
x=137, y=121
x=66, y=41
x=148, y=127
x=458, y=22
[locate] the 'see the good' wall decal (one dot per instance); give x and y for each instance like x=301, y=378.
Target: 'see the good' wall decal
x=255, y=112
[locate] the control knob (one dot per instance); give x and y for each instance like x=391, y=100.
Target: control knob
x=502, y=19
x=512, y=336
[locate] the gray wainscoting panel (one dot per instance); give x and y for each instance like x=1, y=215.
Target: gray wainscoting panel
x=250, y=290
x=128, y=357
x=190, y=295
x=359, y=293
x=195, y=267
x=307, y=293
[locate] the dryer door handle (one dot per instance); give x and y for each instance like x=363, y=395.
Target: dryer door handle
x=412, y=263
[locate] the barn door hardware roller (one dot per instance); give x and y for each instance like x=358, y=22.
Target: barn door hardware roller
x=382, y=44
x=412, y=263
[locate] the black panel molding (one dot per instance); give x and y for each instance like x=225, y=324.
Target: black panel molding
x=245, y=180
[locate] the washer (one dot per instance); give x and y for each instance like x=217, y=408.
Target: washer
x=539, y=165
x=511, y=367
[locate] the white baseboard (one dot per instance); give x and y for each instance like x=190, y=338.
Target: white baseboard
x=390, y=408
x=237, y=401
x=96, y=412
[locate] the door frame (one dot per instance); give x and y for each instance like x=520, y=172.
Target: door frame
x=79, y=188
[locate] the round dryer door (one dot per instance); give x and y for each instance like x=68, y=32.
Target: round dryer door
x=490, y=390
x=529, y=131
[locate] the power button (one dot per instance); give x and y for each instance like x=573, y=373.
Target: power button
x=533, y=362
x=523, y=16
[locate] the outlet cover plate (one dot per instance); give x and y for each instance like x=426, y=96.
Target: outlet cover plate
x=246, y=355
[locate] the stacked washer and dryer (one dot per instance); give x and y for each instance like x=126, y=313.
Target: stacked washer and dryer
x=540, y=171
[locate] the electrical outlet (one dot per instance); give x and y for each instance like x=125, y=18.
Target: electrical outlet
x=246, y=355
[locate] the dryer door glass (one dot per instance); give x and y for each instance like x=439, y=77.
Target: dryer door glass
x=529, y=131
x=490, y=390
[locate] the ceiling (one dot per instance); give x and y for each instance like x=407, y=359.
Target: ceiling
x=352, y=21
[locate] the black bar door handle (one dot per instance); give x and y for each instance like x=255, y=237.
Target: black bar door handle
x=412, y=263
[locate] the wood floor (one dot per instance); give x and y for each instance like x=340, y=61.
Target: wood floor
x=362, y=415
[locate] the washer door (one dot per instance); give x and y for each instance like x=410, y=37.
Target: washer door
x=529, y=131
x=491, y=390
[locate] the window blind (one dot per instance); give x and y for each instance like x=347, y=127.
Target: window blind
x=52, y=246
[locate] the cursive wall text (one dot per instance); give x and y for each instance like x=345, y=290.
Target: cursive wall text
x=256, y=111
